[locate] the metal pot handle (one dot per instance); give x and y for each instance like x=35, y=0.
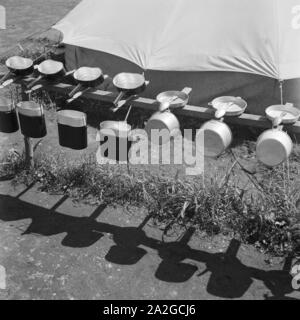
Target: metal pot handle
x=278, y=120
x=6, y=83
x=34, y=82
x=6, y=76
x=187, y=90
x=219, y=114
x=77, y=95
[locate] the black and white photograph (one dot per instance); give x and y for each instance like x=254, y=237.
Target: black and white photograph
x=149, y=153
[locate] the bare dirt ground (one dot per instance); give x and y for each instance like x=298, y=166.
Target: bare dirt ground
x=52, y=248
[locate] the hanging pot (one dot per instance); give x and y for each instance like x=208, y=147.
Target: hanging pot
x=86, y=78
x=217, y=135
x=119, y=132
x=8, y=116
x=128, y=85
x=49, y=70
x=32, y=119
x=274, y=146
x=18, y=67
x=72, y=129
x=164, y=119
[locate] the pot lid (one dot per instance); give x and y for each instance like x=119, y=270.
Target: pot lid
x=72, y=118
x=5, y=104
x=30, y=109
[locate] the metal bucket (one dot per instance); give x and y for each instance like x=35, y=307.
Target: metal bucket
x=72, y=129
x=8, y=116
x=32, y=119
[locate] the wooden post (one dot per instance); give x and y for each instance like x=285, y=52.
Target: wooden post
x=28, y=152
x=29, y=156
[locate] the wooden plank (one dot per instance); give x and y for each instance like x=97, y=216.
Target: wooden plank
x=198, y=112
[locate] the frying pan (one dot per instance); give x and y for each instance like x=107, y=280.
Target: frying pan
x=86, y=78
x=233, y=106
x=290, y=116
x=173, y=99
x=128, y=84
x=48, y=69
x=18, y=67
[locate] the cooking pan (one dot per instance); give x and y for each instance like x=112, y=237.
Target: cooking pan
x=290, y=116
x=173, y=99
x=128, y=85
x=233, y=106
x=86, y=78
x=40, y=86
x=18, y=67
x=48, y=69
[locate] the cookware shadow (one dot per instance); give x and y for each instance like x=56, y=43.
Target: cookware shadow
x=224, y=268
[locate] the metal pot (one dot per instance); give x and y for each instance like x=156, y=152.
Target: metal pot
x=162, y=121
x=8, y=116
x=274, y=146
x=217, y=137
x=118, y=131
x=32, y=119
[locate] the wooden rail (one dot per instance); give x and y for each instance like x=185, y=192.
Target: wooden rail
x=199, y=112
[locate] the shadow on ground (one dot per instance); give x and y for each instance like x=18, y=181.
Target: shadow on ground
x=229, y=278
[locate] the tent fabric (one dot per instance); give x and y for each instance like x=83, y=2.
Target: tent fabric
x=259, y=91
x=259, y=37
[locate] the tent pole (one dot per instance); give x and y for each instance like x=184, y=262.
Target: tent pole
x=281, y=91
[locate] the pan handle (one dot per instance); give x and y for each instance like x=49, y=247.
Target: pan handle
x=164, y=106
x=118, y=98
x=68, y=73
x=123, y=103
x=187, y=90
x=34, y=82
x=278, y=120
x=77, y=95
x=6, y=76
x=219, y=114
x=7, y=83
x=75, y=90
x=35, y=88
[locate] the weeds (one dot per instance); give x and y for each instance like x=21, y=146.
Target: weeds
x=261, y=217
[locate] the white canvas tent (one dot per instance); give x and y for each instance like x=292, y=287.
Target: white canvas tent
x=217, y=47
